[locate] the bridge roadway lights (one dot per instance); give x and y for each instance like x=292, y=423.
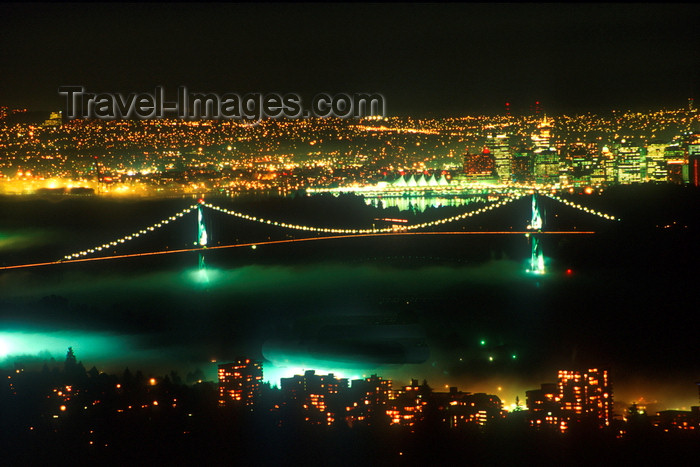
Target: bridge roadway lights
x=202, y=237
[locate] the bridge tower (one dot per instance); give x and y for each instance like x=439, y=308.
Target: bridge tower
x=536, y=257
x=201, y=228
x=536, y=222
x=536, y=254
x=202, y=238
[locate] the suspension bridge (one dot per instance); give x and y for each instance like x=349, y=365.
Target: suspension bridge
x=534, y=232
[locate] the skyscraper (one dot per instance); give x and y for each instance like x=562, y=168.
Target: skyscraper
x=656, y=163
x=585, y=395
x=522, y=167
x=629, y=162
x=370, y=396
x=500, y=150
x=542, y=137
x=239, y=382
x=481, y=166
x=694, y=164
x=318, y=396
x=546, y=159
x=544, y=407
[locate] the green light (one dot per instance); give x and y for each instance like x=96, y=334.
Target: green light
x=88, y=345
x=483, y=342
x=490, y=359
x=514, y=356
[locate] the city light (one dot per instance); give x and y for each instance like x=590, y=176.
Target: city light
x=495, y=265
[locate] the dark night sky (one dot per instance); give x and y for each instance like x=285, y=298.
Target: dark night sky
x=438, y=59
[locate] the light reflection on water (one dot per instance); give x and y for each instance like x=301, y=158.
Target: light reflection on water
x=419, y=203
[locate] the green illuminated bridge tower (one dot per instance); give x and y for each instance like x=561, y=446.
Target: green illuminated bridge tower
x=201, y=228
x=536, y=223
x=201, y=236
x=534, y=232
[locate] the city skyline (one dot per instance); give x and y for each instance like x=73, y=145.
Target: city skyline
x=172, y=156
x=312, y=234
x=400, y=173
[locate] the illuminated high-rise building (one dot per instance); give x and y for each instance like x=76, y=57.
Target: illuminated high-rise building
x=694, y=164
x=546, y=166
x=676, y=166
x=239, y=382
x=464, y=409
x=406, y=405
x=500, y=150
x=598, y=174
x=581, y=165
x=546, y=159
x=674, y=420
x=542, y=137
x=676, y=170
x=319, y=396
x=585, y=395
x=298, y=386
x=522, y=167
x=630, y=163
x=655, y=163
x=55, y=119
x=544, y=409
x=608, y=162
x=480, y=166
x=370, y=397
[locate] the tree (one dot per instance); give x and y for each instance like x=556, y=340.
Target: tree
x=637, y=419
x=194, y=377
x=94, y=372
x=518, y=407
x=425, y=389
x=71, y=362
x=74, y=370
x=175, y=377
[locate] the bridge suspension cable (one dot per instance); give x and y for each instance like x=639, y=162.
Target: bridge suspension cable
x=126, y=238
x=508, y=199
x=582, y=208
x=308, y=228
x=167, y=220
